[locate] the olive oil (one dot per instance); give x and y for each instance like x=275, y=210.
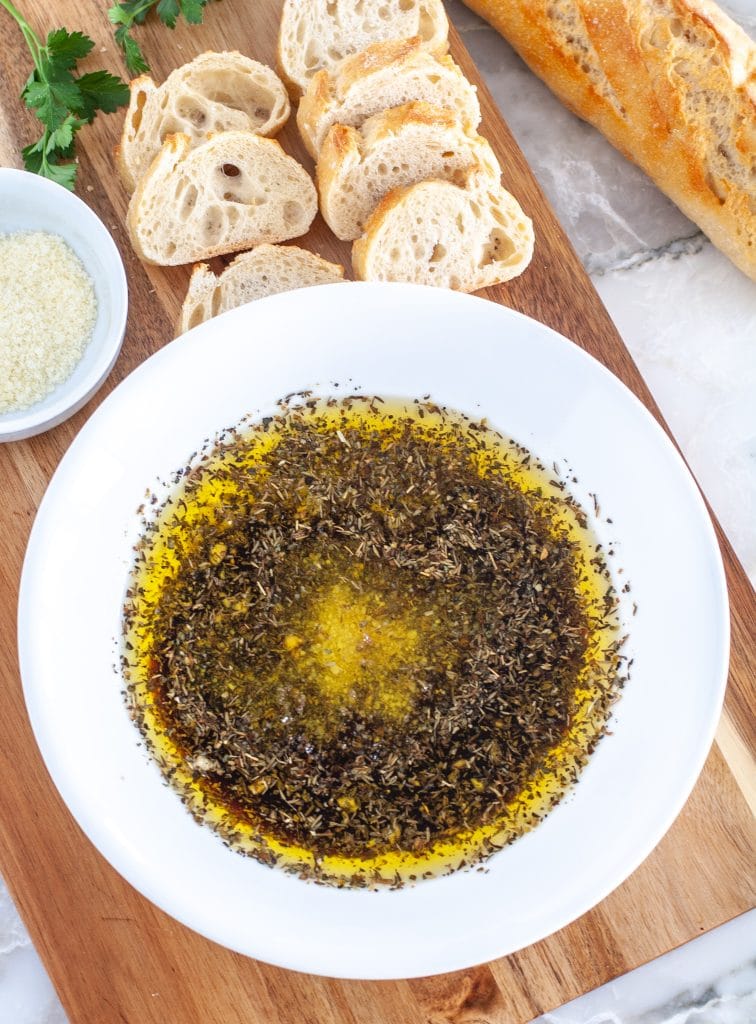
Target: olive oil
x=370, y=642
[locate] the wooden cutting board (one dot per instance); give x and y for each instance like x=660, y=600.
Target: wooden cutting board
x=113, y=956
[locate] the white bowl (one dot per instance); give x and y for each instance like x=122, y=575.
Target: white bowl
x=480, y=358
x=31, y=203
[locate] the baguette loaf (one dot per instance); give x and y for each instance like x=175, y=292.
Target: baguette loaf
x=671, y=83
x=213, y=93
x=443, y=234
x=403, y=145
x=232, y=192
x=383, y=75
x=266, y=270
x=316, y=34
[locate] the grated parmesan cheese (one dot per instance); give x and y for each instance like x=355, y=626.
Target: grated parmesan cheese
x=47, y=315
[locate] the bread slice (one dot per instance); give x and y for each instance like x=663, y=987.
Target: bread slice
x=232, y=192
x=213, y=93
x=317, y=34
x=414, y=142
x=383, y=75
x=266, y=270
x=439, y=233
x=672, y=84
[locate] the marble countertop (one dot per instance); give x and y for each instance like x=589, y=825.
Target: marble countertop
x=689, y=319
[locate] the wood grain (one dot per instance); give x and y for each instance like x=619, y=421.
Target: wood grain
x=113, y=956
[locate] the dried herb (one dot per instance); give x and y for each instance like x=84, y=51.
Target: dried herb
x=362, y=633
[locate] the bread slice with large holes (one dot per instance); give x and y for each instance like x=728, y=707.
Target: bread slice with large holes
x=403, y=145
x=316, y=34
x=266, y=270
x=383, y=75
x=439, y=233
x=232, y=192
x=215, y=92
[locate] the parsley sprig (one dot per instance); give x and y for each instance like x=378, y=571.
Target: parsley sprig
x=63, y=102
x=134, y=12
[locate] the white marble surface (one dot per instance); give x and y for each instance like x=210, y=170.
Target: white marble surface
x=711, y=980
x=26, y=995
x=689, y=319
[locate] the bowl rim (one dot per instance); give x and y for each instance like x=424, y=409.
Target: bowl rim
x=577, y=905
x=64, y=401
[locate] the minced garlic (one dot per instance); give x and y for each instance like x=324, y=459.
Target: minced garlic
x=47, y=315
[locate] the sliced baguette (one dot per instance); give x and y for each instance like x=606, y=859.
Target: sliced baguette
x=672, y=84
x=128, y=152
x=232, y=192
x=440, y=233
x=414, y=142
x=213, y=93
x=317, y=34
x=266, y=270
x=383, y=75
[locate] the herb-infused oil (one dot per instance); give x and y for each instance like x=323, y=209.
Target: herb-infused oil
x=370, y=642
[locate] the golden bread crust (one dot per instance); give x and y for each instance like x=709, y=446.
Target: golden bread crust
x=671, y=83
x=318, y=34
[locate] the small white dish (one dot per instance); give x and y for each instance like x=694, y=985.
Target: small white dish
x=29, y=202
x=399, y=340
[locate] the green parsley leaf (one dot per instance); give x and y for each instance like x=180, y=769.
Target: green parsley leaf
x=62, y=102
x=33, y=155
x=193, y=10
x=129, y=13
x=118, y=16
x=132, y=52
x=36, y=161
x=65, y=48
x=63, y=174
x=63, y=136
x=29, y=152
x=168, y=11
x=51, y=101
x=138, y=10
x=101, y=91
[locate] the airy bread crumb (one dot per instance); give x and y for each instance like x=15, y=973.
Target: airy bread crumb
x=381, y=76
x=230, y=193
x=393, y=149
x=439, y=233
x=215, y=92
x=265, y=270
x=317, y=34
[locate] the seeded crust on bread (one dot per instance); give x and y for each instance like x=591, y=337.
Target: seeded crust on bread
x=230, y=193
x=403, y=145
x=383, y=75
x=214, y=92
x=463, y=237
x=672, y=84
x=317, y=34
x=264, y=270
